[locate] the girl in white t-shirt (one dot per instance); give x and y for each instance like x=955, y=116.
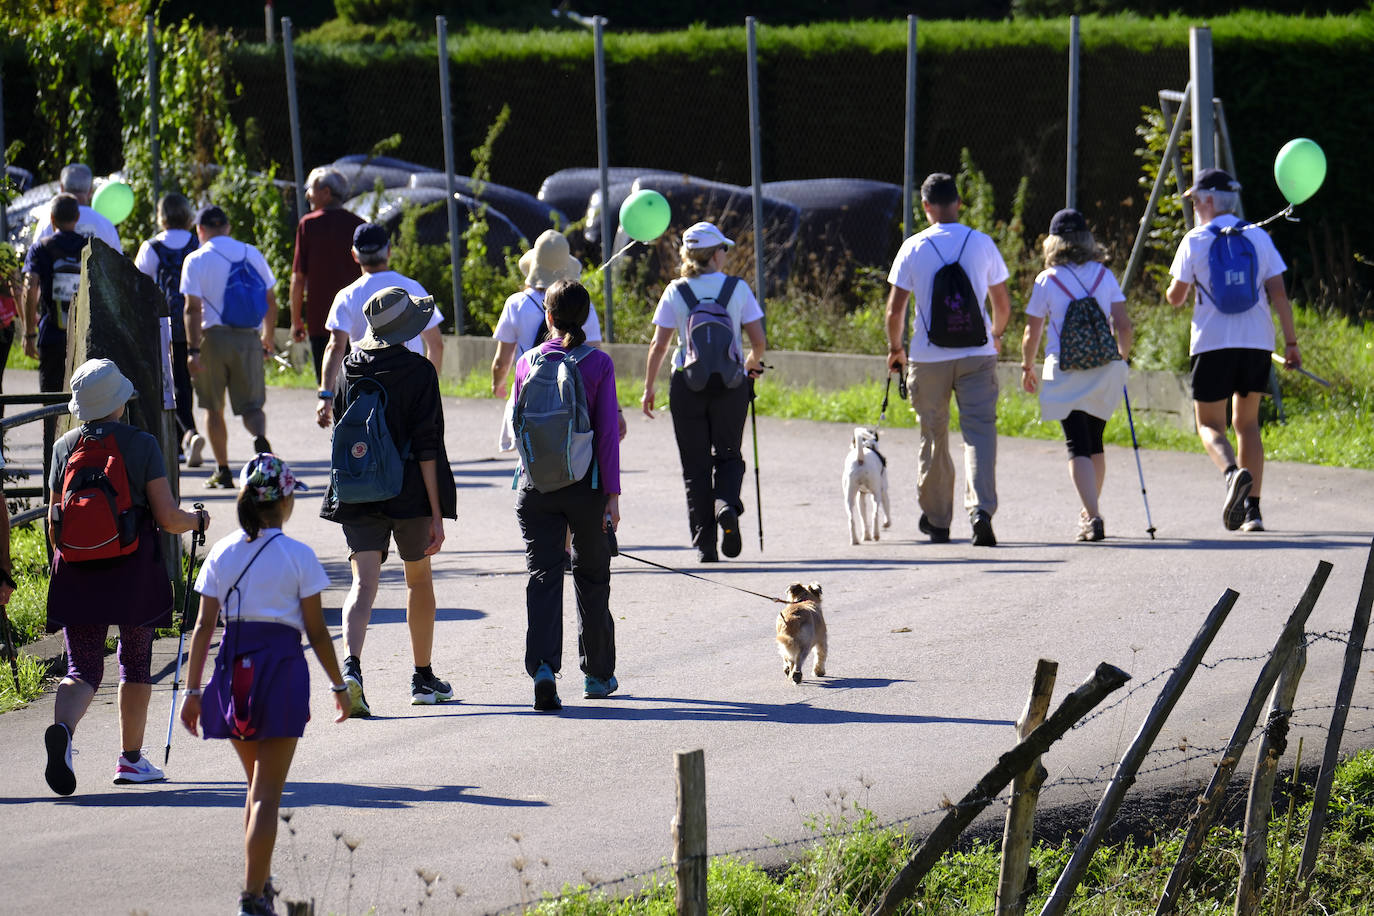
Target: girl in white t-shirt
x=1081, y=399
x=268, y=587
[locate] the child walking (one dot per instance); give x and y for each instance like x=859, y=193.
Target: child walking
x=268, y=586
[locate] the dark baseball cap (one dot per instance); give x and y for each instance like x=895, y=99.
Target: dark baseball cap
x=1212, y=180
x=939, y=188
x=369, y=237
x=211, y=217
x=1066, y=221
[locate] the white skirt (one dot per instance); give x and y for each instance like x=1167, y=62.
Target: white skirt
x=1093, y=391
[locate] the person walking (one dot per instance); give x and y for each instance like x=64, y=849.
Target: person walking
x=709, y=408
x=161, y=258
x=1085, y=353
x=267, y=585
x=954, y=271
x=1232, y=338
x=588, y=507
x=224, y=350
x=322, y=265
x=414, y=517
x=77, y=180
x=91, y=590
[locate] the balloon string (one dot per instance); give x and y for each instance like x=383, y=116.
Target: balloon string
x=1286, y=213
x=616, y=255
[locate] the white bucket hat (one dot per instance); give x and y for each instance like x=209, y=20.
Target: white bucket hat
x=98, y=390
x=549, y=261
x=704, y=235
x=393, y=317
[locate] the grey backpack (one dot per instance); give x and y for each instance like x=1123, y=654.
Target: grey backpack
x=553, y=426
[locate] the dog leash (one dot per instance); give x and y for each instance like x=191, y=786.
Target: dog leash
x=681, y=572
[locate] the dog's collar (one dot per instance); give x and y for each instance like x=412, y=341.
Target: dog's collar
x=879, y=454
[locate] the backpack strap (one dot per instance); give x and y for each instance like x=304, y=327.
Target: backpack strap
x=685, y=289
x=727, y=291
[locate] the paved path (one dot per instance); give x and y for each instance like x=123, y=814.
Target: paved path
x=932, y=652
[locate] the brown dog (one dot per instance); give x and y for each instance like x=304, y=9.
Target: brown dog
x=801, y=626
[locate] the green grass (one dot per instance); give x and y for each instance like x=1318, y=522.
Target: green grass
x=27, y=611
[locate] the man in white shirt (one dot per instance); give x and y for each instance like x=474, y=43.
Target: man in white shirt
x=225, y=352
x=76, y=180
x=954, y=347
x=347, y=324
x=1231, y=346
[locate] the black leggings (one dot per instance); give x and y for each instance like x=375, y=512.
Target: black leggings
x=1083, y=434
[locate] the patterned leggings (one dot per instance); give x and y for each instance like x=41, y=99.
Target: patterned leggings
x=86, y=654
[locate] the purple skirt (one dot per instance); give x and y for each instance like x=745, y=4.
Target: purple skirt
x=261, y=684
x=131, y=591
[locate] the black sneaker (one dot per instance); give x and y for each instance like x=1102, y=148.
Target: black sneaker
x=1238, y=484
x=1252, y=522
x=546, y=690
x=982, y=530
x=253, y=905
x=428, y=690
x=353, y=680
x=220, y=480
x=730, y=541
x=260, y=444
x=59, y=773
x=937, y=535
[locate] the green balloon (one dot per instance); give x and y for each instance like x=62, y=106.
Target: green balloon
x=1299, y=169
x=114, y=201
x=644, y=215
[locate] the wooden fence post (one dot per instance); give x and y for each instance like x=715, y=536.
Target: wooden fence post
x=689, y=834
x=1254, y=851
x=1210, y=801
x=1124, y=777
x=1076, y=705
x=1354, y=652
x=1016, y=837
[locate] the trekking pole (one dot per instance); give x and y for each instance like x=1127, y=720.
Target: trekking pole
x=197, y=538
x=1150, y=530
x=758, y=494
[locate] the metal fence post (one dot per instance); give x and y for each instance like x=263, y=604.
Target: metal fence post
x=1071, y=157
x=1200, y=68
x=4, y=162
x=609, y=221
x=756, y=157
x=154, y=104
x=454, y=239
x=909, y=147
x=293, y=112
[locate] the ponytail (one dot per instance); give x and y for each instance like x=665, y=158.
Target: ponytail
x=568, y=304
x=250, y=516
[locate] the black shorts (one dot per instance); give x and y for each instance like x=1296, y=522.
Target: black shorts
x=1083, y=434
x=1218, y=374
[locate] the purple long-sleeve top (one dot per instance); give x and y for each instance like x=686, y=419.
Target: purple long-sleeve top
x=598, y=377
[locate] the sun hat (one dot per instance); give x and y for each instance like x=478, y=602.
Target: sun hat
x=704, y=235
x=211, y=217
x=549, y=260
x=98, y=390
x=268, y=478
x=939, y=188
x=1212, y=180
x=370, y=238
x=393, y=317
x=1066, y=221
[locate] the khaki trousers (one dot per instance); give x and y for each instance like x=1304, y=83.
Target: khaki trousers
x=972, y=380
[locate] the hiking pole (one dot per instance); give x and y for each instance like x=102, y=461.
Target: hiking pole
x=1301, y=371
x=1138, y=469
x=197, y=538
x=758, y=494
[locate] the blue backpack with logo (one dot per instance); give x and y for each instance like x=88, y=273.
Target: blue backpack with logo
x=552, y=422
x=245, y=295
x=1234, y=268
x=169, y=262
x=365, y=464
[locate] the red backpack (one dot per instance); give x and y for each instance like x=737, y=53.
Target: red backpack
x=96, y=519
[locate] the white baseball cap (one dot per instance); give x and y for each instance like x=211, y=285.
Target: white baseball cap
x=704, y=235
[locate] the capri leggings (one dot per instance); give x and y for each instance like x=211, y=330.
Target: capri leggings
x=86, y=654
x=1083, y=434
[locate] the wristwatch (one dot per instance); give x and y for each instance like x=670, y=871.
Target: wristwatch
x=326, y=395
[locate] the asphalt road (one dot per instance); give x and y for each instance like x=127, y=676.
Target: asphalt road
x=932, y=653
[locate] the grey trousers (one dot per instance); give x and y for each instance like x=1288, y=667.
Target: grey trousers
x=972, y=380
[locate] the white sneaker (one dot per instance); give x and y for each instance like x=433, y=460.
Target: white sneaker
x=143, y=771
x=195, y=448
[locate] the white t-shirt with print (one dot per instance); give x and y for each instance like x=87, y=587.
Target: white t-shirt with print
x=914, y=268
x=672, y=311
x=1050, y=302
x=206, y=270
x=147, y=259
x=272, y=588
x=1213, y=329
x=522, y=315
x=346, y=314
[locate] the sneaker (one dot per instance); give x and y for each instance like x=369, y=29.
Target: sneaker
x=353, y=680
x=426, y=691
x=253, y=905
x=59, y=773
x=145, y=770
x=730, y=542
x=1252, y=522
x=707, y=557
x=594, y=688
x=546, y=690
x=260, y=444
x=1092, y=529
x=195, y=450
x=937, y=535
x=1238, y=484
x=222, y=479
x=982, y=530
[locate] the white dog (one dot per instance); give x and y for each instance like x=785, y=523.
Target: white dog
x=865, y=486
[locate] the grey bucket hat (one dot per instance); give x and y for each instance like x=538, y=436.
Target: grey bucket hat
x=394, y=317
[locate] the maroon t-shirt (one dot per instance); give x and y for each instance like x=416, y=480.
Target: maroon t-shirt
x=324, y=243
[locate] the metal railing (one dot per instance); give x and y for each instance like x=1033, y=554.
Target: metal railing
x=53, y=404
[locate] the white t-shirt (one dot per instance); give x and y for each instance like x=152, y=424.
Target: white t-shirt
x=272, y=588
x=522, y=315
x=89, y=223
x=206, y=270
x=1048, y=301
x=147, y=260
x=914, y=268
x=672, y=311
x=1212, y=329
x=346, y=314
